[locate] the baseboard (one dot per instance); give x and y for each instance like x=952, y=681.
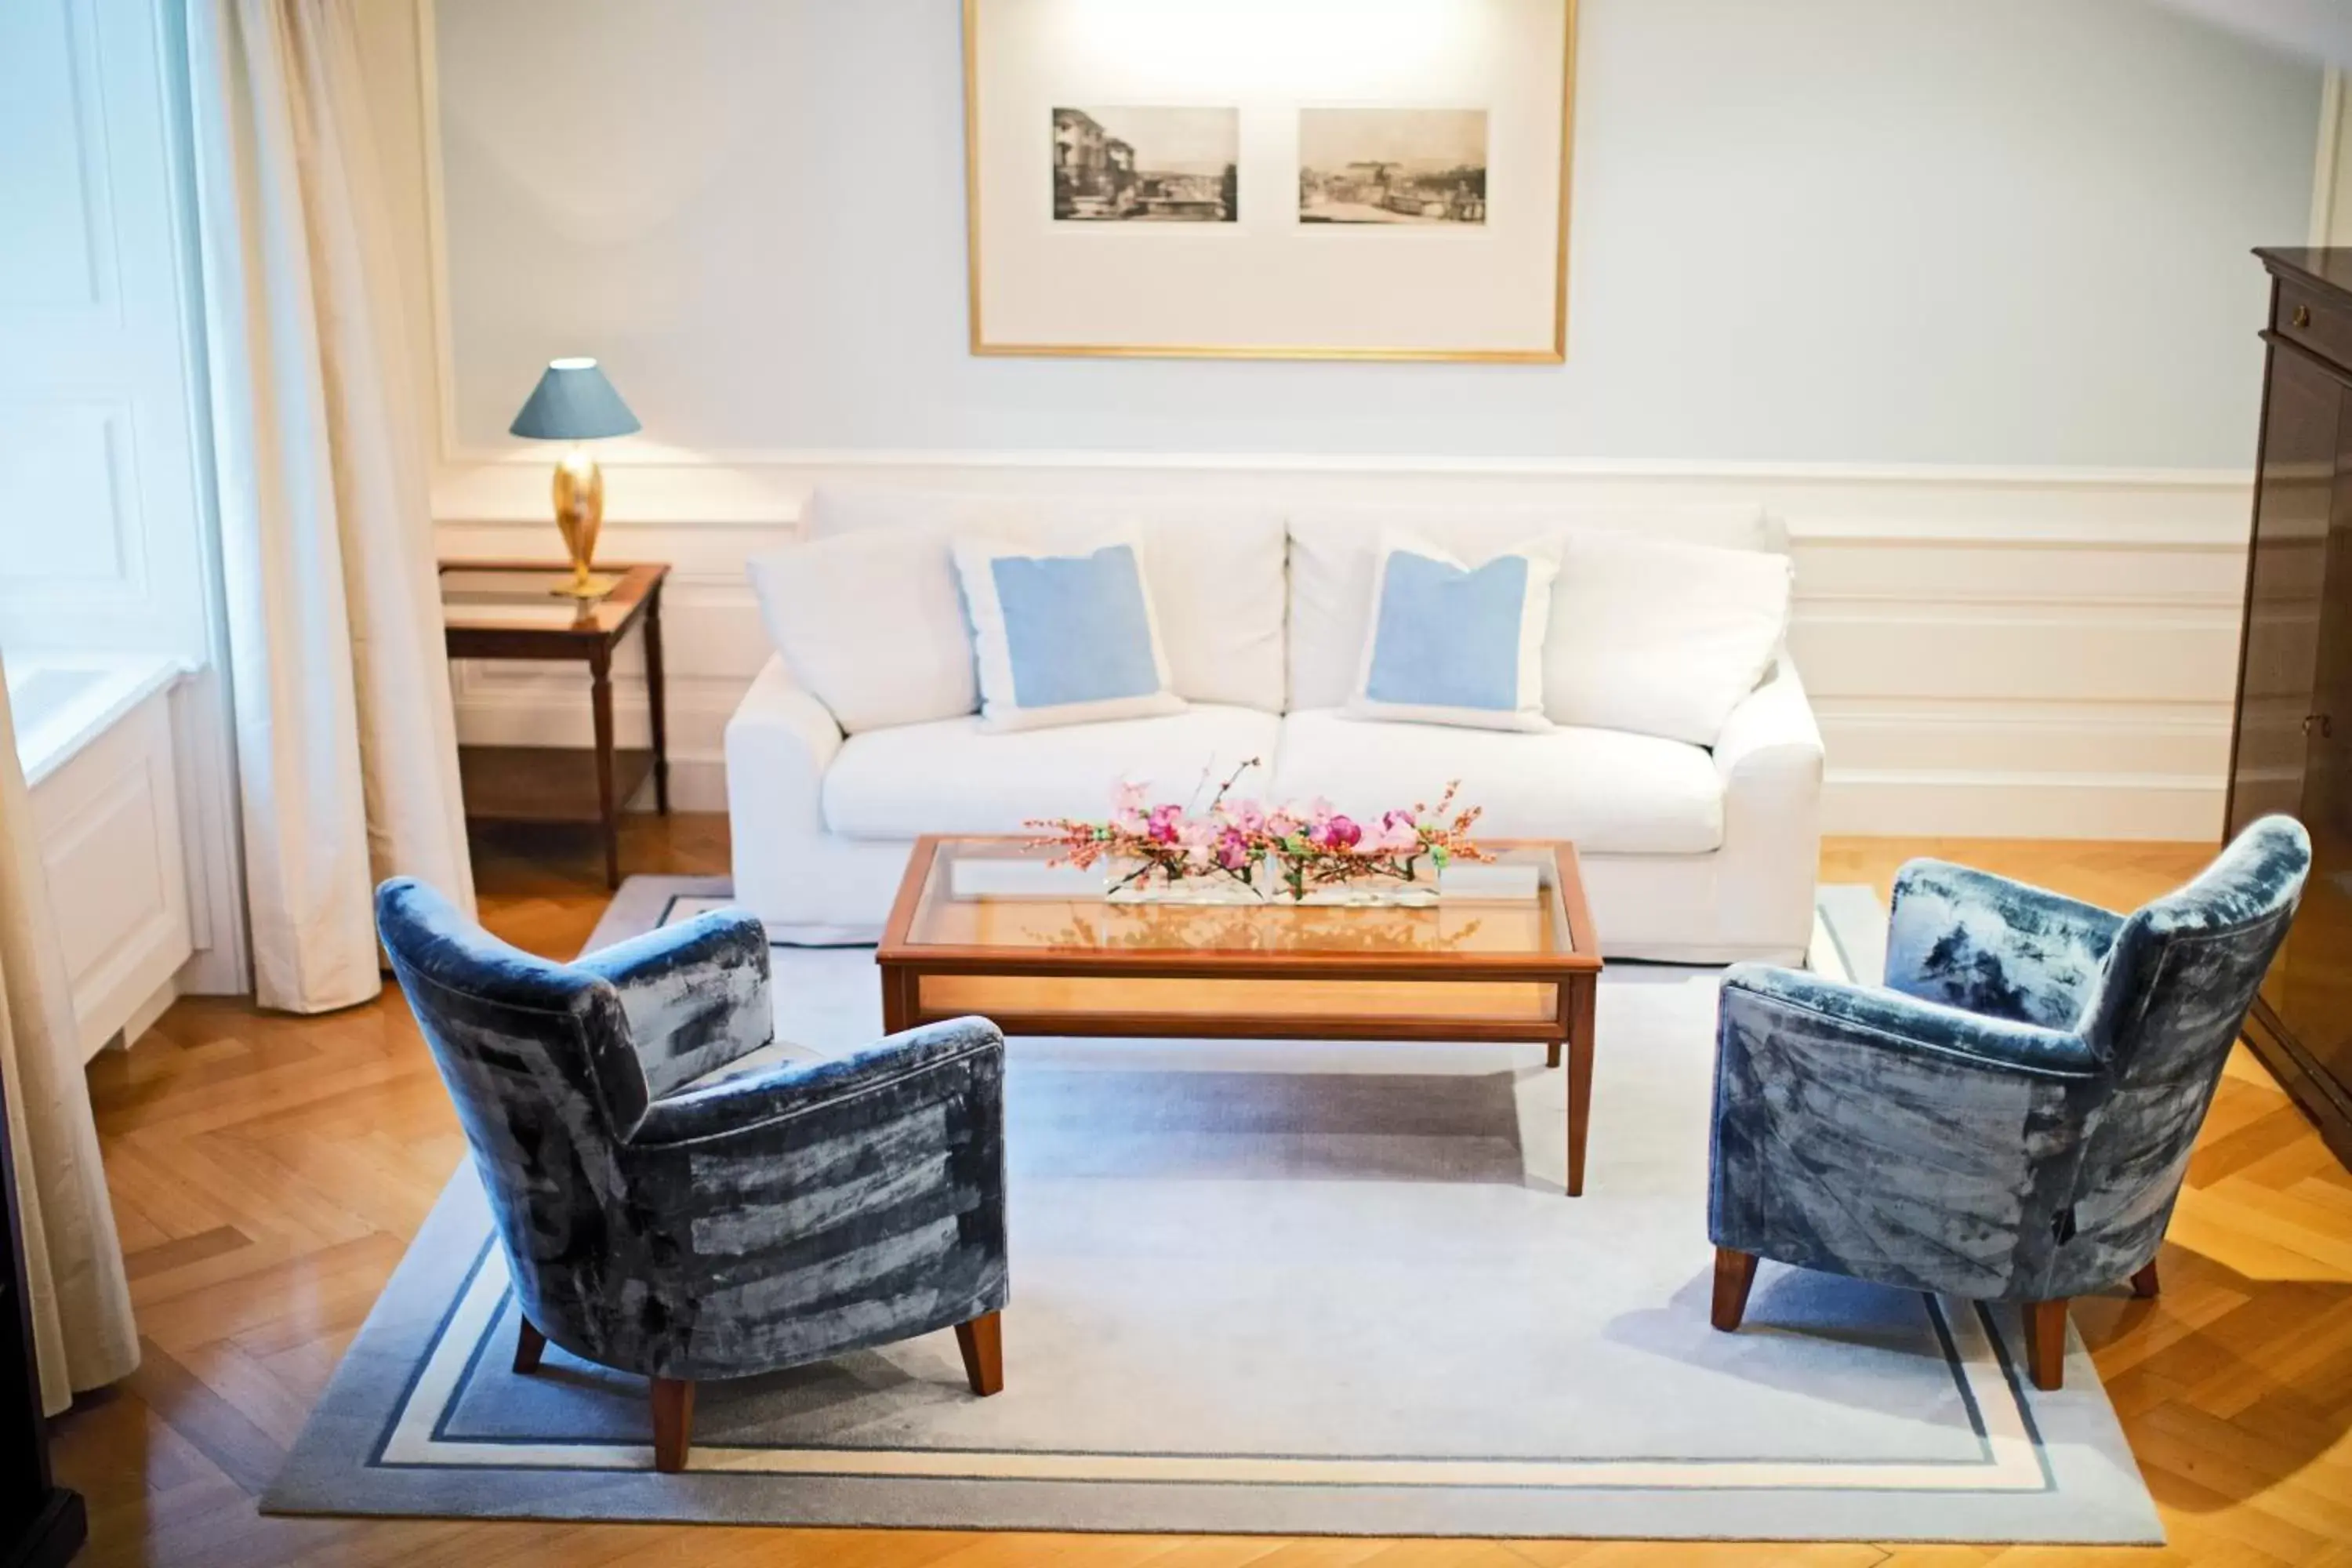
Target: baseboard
x=696, y=784
x=1893, y=804
x=143, y=1017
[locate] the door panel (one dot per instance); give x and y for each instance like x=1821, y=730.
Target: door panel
x=2304, y=419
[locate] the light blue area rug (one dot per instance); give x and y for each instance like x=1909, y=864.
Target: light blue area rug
x=1271, y=1286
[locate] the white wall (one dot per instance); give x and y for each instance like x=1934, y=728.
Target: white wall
x=1937, y=231
x=1957, y=287
x=102, y=488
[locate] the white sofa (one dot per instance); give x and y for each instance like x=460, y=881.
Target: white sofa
x=1690, y=853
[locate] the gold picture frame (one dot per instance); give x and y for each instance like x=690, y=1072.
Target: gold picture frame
x=980, y=345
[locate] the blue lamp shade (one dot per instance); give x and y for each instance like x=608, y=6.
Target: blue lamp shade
x=572, y=402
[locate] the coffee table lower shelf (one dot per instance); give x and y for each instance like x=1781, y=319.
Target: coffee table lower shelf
x=1180, y=1002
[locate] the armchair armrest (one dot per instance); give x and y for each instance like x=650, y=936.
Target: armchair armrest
x=1895, y=1139
x=695, y=994
x=798, y=1211
x=1762, y=995
x=790, y=1091
x=1994, y=947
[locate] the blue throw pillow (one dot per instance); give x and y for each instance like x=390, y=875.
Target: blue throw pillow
x=1449, y=644
x=1063, y=638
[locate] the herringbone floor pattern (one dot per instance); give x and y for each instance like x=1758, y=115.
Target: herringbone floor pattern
x=267, y=1172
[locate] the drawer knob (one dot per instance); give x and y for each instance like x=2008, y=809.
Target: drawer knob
x=2303, y=315
x=2319, y=725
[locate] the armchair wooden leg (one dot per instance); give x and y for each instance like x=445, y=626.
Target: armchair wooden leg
x=2143, y=1283
x=1734, y=1273
x=529, y=1345
x=2045, y=1342
x=673, y=1424
x=983, y=1343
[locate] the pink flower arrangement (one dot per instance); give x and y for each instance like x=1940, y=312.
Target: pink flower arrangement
x=1288, y=848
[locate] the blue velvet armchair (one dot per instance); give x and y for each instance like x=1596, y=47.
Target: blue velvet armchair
x=2009, y=1118
x=666, y=1219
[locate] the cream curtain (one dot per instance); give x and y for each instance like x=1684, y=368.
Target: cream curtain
x=79, y=1302
x=346, y=739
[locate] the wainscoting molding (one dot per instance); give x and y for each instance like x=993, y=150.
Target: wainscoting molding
x=2009, y=653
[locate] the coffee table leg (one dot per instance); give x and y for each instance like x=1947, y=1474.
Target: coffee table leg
x=1582, y=992
x=897, y=995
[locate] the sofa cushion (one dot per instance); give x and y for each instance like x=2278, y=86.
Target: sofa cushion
x=1450, y=644
x=1660, y=636
x=1063, y=638
x=1332, y=550
x=871, y=625
x=1611, y=792
x=1216, y=567
x=956, y=777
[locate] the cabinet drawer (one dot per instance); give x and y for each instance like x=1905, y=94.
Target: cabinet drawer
x=2305, y=316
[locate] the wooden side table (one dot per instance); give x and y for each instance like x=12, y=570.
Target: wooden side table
x=503, y=609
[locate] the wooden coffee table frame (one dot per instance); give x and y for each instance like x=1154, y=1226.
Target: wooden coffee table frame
x=1574, y=975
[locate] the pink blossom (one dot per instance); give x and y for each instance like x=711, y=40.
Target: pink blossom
x=1233, y=851
x=1343, y=833
x=1127, y=806
x=1280, y=822
x=1319, y=811
x=1247, y=815
x=1164, y=824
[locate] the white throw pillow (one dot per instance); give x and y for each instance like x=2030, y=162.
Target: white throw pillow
x=1660, y=637
x=871, y=625
x=1065, y=638
x=1332, y=548
x=1218, y=587
x=1451, y=644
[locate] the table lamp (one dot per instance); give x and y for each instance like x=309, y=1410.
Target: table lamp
x=575, y=403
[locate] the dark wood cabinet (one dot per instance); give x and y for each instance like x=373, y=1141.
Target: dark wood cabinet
x=2293, y=750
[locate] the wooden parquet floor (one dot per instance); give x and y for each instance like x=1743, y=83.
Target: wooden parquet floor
x=268, y=1172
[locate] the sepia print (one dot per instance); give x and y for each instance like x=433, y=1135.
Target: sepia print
x=1150, y=165
x=1392, y=165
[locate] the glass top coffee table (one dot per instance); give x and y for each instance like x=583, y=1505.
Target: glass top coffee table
x=1507, y=952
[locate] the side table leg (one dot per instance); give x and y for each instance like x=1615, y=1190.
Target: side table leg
x=658, y=700
x=1582, y=991
x=600, y=670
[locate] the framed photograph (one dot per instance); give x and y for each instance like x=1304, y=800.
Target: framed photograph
x=1146, y=165
x=1392, y=165
x=1269, y=179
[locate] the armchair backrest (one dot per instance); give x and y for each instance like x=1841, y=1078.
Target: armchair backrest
x=537, y=1058
x=2179, y=979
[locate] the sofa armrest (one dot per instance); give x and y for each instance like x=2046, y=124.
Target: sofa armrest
x=1771, y=731
x=779, y=741
x=1769, y=758
x=1993, y=947
x=695, y=994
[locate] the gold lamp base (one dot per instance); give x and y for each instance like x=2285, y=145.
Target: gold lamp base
x=593, y=585
x=579, y=514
